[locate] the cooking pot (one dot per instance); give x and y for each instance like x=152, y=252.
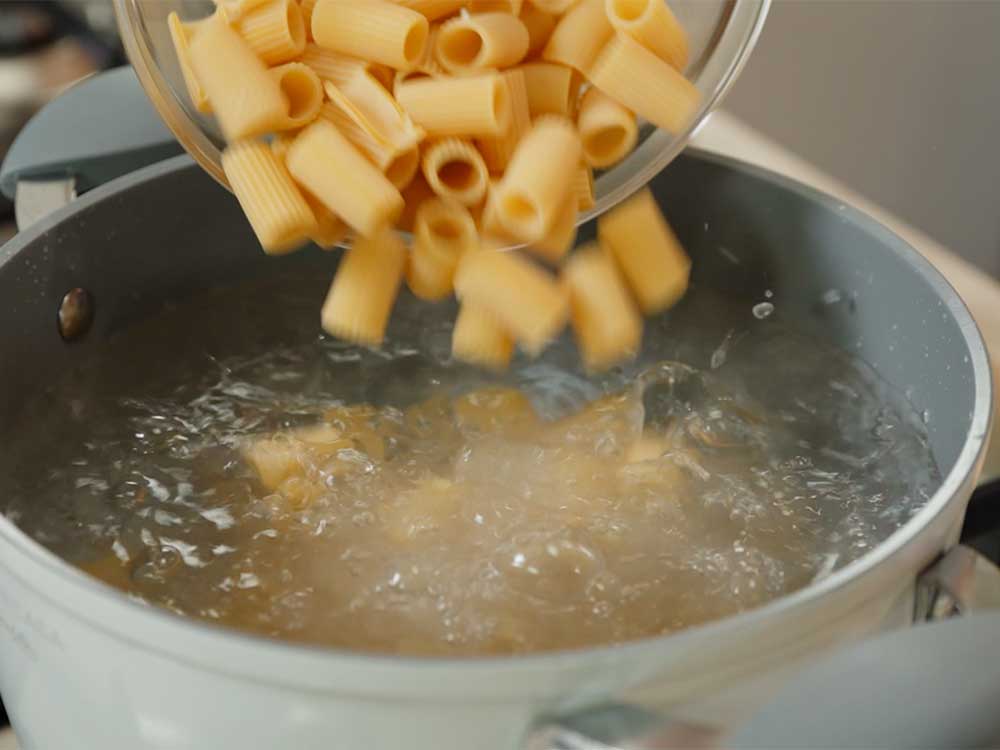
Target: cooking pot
x=81, y=665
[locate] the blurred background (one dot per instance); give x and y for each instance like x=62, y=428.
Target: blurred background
x=895, y=98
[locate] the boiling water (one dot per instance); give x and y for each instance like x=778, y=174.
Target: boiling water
x=429, y=508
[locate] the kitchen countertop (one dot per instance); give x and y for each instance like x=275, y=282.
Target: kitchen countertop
x=725, y=134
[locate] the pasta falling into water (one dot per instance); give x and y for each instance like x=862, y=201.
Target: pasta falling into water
x=475, y=125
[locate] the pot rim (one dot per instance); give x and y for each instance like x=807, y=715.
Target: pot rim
x=223, y=649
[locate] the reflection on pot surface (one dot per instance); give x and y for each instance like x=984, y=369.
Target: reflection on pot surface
x=224, y=462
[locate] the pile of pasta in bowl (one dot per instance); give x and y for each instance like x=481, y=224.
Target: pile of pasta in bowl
x=452, y=144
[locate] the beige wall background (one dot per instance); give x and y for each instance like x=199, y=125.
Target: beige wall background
x=900, y=99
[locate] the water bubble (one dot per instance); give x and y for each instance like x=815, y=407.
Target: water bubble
x=762, y=310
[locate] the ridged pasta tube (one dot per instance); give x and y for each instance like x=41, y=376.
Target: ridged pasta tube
x=303, y=91
x=326, y=164
x=583, y=187
x=554, y=246
x=498, y=150
x=558, y=7
x=636, y=78
x=579, y=36
x=653, y=25
x=247, y=101
x=647, y=251
x=552, y=88
x=455, y=169
x=539, y=25
x=336, y=67
x=274, y=206
x=472, y=106
x=606, y=323
x=360, y=300
x=608, y=130
x=414, y=195
x=537, y=182
x=473, y=42
x=530, y=305
x=479, y=339
x=330, y=229
x=180, y=35
x=276, y=31
x=371, y=29
x=442, y=234
x=433, y=9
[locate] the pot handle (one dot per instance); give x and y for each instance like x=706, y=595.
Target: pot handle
x=960, y=582
x=99, y=129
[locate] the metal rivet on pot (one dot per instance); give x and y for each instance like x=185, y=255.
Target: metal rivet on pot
x=76, y=313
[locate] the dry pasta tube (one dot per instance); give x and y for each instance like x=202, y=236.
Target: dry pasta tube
x=180, y=36
x=607, y=326
x=474, y=42
x=536, y=184
x=647, y=251
x=234, y=10
x=498, y=150
x=479, y=339
x=512, y=7
x=530, y=305
x=414, y=195
x=433, y=9
x=557, y=7
x=489, y=221
x=330, y=229
x=579, y=36
x=246, y=100
x=403, y=167
x=372, y=106
x=274, y=206
x=373, y=29
x=306, y=6
x=636, y=78
x=326, y=164
x=552, y=88
x=443, y=233
x=583, y=187
x=539, y=25
x=280, y=143
x=360, y=300
x=454, y=169
x=607, y=129
x=303, y=90
x=554, y=246
x=333, y=66
x=276, y=31
x=653, y=25
x=473, y=106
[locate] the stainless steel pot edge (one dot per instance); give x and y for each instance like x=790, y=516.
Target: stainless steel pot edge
x=257, y=658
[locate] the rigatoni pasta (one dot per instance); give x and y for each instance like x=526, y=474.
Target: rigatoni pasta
x=635, y=77
x=477, y=133
x=536, y=184
x=473, y=106
x=653, y=25
x=607, y=326
x=486, y=278
x=579, y=36
x=276, y=31
x=319, y=159
x=180, y=36
x=276, y=209
x=303, y=92
x=360, y=300
x=473, y=42
x=245, y=99
x=373, y=29
x=647, y=251
x=479, y=339
x=608, y=130
x=443, y=232
x=455, y=170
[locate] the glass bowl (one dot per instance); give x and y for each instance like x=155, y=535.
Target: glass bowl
x=721, y=35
